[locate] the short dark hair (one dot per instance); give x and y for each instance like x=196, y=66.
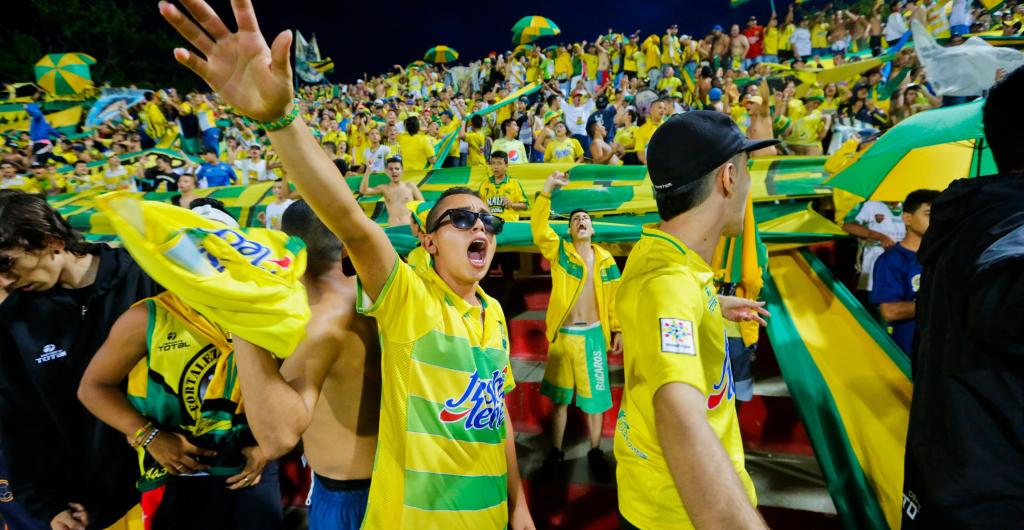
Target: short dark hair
x=918, y=198
x=500, y=154
x=592, y=127
x=208, y=150
x=576, y=211
x=505, y=123
x=412, y=125
x=28, y=222
x=477, y=121
x=1002, y=116
x=689, y=196
x=394, y=160
x=163, y=158
x=323, y=248
x=436, y=210
x=212, y=203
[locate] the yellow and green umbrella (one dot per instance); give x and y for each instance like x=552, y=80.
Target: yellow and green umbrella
x=531, y=28
x=64, y=74
x=415, y=65
x=927, y=151
x=524, y=48
x=440, y=55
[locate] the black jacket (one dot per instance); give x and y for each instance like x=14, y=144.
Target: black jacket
x=57, y=451
x=965, y=445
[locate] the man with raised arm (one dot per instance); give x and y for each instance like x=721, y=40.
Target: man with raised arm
x=581, y=322
x=328, y=391
x=446, y=456
x=396, y=192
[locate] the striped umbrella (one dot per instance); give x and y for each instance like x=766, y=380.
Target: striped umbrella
x=524, y=48
x=537, y=23
x=415, y=65
x=440, y=55
x=64, y=74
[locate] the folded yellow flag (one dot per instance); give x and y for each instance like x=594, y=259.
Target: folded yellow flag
x=246, y=281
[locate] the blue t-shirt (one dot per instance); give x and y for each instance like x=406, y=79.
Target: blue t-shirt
x=220, y=174
x=897, y=278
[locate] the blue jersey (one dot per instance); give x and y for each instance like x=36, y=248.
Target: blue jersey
x=897, y=278
x=220, y=174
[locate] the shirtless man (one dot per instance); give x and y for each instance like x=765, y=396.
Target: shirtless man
x=396, y=193
x=328, y=391
x=759, y=108
x=601, y=152
x=581, y=323
x=603, y=63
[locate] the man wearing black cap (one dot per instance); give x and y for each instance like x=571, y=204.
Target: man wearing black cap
x=679, y=384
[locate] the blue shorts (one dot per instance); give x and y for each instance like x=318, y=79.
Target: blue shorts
x=337, y=504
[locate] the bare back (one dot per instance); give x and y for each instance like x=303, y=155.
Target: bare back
x=342, y=437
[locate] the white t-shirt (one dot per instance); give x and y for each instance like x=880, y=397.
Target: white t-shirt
x=801, y=40
x=377, y=160
x=117, y=178
x=515, y=150
x=249, y=171
x=576, y=117
x=895, y=27
x=877, y=216
x=274, y=213
x=960, y=15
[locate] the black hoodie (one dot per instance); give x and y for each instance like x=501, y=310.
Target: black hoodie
x=965, y=444
x=57, y=451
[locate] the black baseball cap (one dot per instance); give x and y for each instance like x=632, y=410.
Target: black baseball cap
x=690, y=145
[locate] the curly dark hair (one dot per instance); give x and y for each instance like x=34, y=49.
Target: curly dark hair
x=28, y=222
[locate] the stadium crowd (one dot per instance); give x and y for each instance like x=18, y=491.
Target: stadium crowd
x=694, y=110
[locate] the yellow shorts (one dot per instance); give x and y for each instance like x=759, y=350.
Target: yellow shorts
x=578, y=360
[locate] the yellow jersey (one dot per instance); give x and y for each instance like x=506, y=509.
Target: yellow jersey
x=567, y=150
x=672, y=332
x=787, y=32
x=440, y=459
x=626, y=137
x=819, y=35
x=510, y=188
x=643, y=135
x=417, y=150
x=476, y=142
x=771, y=41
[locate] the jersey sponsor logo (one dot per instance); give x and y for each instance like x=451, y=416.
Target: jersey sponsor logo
x=677, y=336
x=915, y=282
x=6, y=495
x=712, y=299
x=50, y=352
x=725, y=388
x=481, y=405
x=622, y=426
x=172, y=343
x=257, y=253
x=496, y=205
x=196, y=377
x=910, y=505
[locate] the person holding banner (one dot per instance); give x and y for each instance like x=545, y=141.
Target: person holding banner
x=445, y=361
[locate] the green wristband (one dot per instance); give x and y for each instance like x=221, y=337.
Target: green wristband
x=283, y=121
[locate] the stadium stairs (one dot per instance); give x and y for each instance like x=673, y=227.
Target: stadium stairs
x=789, y=483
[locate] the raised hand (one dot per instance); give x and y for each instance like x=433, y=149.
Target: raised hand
x=555, y=180
x=252, y=77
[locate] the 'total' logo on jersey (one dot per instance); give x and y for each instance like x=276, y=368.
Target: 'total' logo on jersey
x=481, y=405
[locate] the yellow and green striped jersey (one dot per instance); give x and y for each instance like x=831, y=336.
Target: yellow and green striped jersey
x=188, y=383
x=445, y=367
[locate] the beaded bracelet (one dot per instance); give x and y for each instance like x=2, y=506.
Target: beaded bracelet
x=139, y=434
x=283, y=121
x=149, y=438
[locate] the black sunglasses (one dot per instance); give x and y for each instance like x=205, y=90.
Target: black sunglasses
x=466, y=220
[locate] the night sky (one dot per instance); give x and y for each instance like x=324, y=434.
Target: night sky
x=370, y=36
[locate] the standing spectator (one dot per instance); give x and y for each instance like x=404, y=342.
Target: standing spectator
x=819, y=36
x=275, y=210
x=116, y=176
x=771, y=42
x=625, y=136
x=878, y=227
x=40, y=131
x=478, y=145
x=254, y=168
x=897, y=273
x=679, y=391
x=576, y=113
x=65, y=465
x=964, y=451
x=564, y=149
x=786, y=30
x=212, y=172
x=208, y=125
x=801, y=41
x=655, y=116
x=510, y=144
x=600, y=151
x=895, y=25
x=376, y=154
x=754, y=33
x=417, y=148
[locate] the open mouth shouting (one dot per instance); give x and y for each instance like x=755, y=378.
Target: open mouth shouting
x=477, y=253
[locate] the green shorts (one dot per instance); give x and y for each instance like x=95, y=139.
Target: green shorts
x=578, y=360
